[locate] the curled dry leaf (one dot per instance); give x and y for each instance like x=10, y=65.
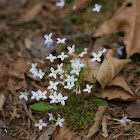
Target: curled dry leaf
x=64, y=134
x=97, y=120
x=126, y=20
x=105, y=72
x=117, y=89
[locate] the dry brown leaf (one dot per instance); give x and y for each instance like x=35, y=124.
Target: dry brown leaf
x=47, y=133
x=18, y=69
x=98, y=117
x=105, y=72
x=117, y=89
x=64, y=134
x=104, y=127
x=37, y=47
x=32, y=13
x=14, y=85
x=127, y=20
x=2, y=101
x=134, y=109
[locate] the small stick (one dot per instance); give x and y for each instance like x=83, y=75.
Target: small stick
x=28, y=113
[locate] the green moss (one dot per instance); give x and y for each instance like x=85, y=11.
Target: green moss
x=79, y=114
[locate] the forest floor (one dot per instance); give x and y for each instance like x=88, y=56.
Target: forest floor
x=23, y=25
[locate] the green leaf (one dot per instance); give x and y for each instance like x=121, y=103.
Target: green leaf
x=138, y=69
x=99, y=102
x=43, y=106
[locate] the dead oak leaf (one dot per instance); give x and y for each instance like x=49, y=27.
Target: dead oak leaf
x=105, y=72
x=126, y=20
x=64, y=134
x=117, y=89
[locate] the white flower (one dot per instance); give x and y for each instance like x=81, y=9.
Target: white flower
x=74, y=8
x=53, y=85
x=48, y=40
x=51, y=57
x=59, y=68
x=62, y=56
x=41, y=74
x=71, y=49
x=51, y=116
x=79, y=65
x=38, y=95
x=59, y=122
x=69, y=78
x=74, y=79
x=43, y=94
x=69, y=85
x=53, y=73
x=62, y=83
x=97, y=8
x=54, y=97
x=61, y=74
x=24, y=95
x=35, y=73
x=62, y=99
x=124, y=120
x=40, y=125
x=103, y=51
x=85, y=50
x=81, y=54
x=74, y=61
x=33, y=67
x=61, y=3
x=34, y=94
x=75, y=70
x=77, y=91
x=61, y=41
x=96, y=57
x=88, y=88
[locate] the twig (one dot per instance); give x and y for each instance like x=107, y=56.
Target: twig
x=28, y=113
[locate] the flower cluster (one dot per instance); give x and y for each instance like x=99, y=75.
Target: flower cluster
x=35, y=72
x=41, y=124
x=66, y=76
x=58, y=121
